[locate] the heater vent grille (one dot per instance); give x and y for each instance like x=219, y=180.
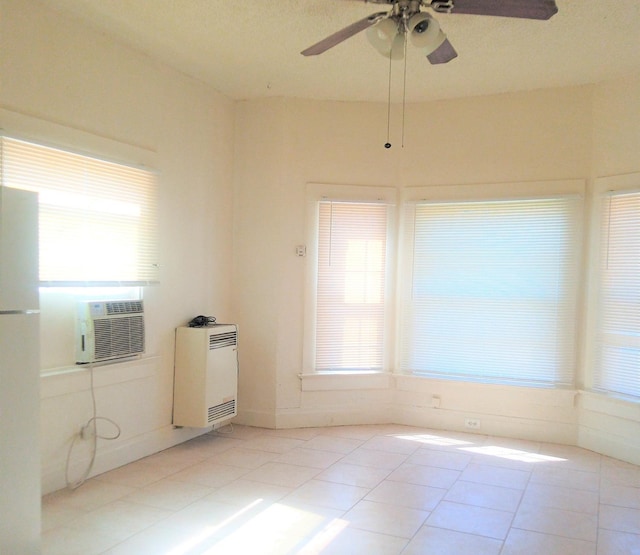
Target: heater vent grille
x=220, y=411
x=205, y=386
x=220, y=340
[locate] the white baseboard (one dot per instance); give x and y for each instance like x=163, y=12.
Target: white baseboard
x=109, y=457
x=577, y=432
x=335, y=416
x=609, y=444
x=491, y=425
x=610, y=426
x=256, y=418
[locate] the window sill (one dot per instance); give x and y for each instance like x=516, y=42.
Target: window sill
x=342, y=381
x=70, y=379
x=610, y=405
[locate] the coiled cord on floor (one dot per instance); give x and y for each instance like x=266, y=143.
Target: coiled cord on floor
x=89, y=428
x=220, y=431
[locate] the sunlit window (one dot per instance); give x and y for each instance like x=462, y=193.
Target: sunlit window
x=351, y=284
x=97, y=219
x=489, y=290
x=617, y=367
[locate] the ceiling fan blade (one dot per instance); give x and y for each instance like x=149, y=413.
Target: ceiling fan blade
x=343, y=34
x=443, y=54
x=527, y=9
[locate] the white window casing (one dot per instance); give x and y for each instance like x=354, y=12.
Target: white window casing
x=615, y=291
x=350, y=258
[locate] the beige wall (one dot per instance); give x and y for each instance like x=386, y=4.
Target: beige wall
x=232, y=207
x=283, y=144
x=70, y=80
x=609, y=425
x=542, y=135
x=616, y=127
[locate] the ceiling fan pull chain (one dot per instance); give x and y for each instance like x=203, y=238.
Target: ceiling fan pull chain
x=404, y=87
x=388, y=144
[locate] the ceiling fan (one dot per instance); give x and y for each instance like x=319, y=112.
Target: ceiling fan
x=388, y=31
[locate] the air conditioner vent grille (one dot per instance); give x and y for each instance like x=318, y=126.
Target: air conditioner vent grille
x=220, y=340
x=222, y=410
x=118, y=337
x=123, y=307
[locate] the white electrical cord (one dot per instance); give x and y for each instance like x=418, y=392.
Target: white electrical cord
x=220, y=432
x=89, y=428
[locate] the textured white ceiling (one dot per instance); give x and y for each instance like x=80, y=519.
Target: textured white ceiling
x=251, y=48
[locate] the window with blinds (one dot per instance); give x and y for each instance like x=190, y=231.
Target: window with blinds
x=97, y=218
x=489, y=290
x=351, y=285
x=617, y=360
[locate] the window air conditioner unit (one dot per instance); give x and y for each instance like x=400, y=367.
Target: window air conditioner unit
x=109, y=330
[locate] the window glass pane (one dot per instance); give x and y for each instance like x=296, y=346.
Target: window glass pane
x=351, y=285
x=490, y=290
x=618, y=337
x=97, y=218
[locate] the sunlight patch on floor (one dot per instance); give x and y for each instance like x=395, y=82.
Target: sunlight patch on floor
x=434, y=440
x=284, y=529
x=322, y=539
x=201, y=538
x=511, y=454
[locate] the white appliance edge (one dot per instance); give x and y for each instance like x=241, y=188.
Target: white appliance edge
x=20, y=483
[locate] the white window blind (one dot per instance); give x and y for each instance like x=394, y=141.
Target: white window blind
x=617, y=368
x=351, y=283
x=490, y=290
x=97, y=218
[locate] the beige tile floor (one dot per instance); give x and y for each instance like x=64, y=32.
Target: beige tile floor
x=352, y=490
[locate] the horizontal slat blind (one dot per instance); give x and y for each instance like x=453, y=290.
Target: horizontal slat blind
x=617, y=367
x=352, y=253
x=490, y=293
x=97, y=218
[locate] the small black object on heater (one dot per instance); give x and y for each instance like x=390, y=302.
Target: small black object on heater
x=202, y=321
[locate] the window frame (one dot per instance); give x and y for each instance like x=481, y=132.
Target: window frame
x=48, y=135
x=58, y=305
x=603, y=188
x=316, y=193
x=481, y=193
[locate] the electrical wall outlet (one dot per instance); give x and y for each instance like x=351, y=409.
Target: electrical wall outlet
x=472, y=423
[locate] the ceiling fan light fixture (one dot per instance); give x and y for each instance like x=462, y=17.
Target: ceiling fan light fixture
x=437, y=43
x=384, y=37
x=397, y=47
x=425, y=32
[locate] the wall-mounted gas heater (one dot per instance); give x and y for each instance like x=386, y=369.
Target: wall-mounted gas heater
x=206, y=376
x=109, y=330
